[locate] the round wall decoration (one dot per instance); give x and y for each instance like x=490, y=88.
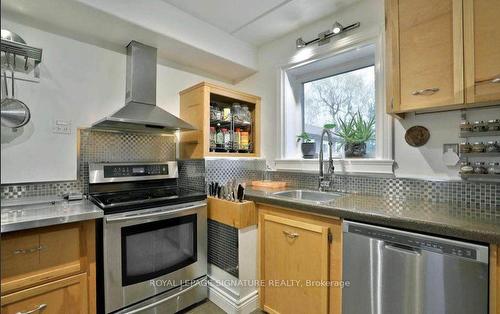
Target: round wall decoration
x=417, y=136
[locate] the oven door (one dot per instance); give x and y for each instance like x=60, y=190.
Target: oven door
x=147, y=252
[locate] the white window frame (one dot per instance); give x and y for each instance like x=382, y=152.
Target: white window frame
x=383, y=162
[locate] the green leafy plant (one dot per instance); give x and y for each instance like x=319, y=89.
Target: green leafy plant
x=356, y=130
x=305, y=138
x=330, y=126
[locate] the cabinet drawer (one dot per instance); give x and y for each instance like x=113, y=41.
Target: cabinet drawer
x=33, y=257
x=67, y=295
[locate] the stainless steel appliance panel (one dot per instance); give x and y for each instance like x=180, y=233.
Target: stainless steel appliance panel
x=119, y=294
x=398, y=272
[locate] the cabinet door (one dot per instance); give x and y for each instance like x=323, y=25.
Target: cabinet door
x=482, y=50
x=36, y=256
x=67, y=295
x=426, y=50
x=294, y=254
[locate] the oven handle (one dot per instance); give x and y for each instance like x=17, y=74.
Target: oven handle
x=175, y=295
x=155, y=214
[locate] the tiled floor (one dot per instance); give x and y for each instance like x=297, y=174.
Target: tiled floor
x=210, y=308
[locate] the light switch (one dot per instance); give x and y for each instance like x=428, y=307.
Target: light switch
x=61, y=127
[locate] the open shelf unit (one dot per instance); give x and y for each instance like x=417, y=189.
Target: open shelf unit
x=485, y=157
x=195, y=107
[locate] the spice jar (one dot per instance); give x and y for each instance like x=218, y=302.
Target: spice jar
x=237, y=116
x=465, y=126
x=227, y=139
x=493, y=168
x=479, y=167
x=466, y=168
x=494, y=125
x=465, y=148
x=212, y=137
x=479, y=126
x=478, y=147
x=246, y=115
x=219, y=138
x=492, y=147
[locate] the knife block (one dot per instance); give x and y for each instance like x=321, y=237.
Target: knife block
x=235, y=214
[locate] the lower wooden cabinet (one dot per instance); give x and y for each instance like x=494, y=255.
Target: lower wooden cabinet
x=68, y=295
x=53, y=266
x=299, y=262
x=495, y=279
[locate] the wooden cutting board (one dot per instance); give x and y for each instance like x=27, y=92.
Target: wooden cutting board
x=269, y=184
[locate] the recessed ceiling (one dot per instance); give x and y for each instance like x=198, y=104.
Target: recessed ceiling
x=259, y=21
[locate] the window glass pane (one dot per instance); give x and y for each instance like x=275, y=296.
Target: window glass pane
x=337, y=97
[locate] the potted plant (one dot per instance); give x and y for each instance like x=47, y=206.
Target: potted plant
x=308, y=146
x=354, y=134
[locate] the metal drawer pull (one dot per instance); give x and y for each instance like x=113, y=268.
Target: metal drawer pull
x=291, y=235
x=40, y=308
x=425, y=91
x=496, y=80
x=29, y=251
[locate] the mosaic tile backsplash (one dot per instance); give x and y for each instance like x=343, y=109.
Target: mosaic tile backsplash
x=97, y=146
x=223, y=247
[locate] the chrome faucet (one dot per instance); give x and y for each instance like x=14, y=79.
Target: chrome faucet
x=325, y=184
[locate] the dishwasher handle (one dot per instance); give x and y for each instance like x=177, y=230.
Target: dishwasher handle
x=404, y=249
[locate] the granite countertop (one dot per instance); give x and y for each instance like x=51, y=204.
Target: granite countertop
x=444, y=219
x=45, y=211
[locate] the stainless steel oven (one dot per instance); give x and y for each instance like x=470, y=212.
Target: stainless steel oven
x=153, y=248
x=152, y=251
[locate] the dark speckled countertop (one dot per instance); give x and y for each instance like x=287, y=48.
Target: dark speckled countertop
x=443, y=219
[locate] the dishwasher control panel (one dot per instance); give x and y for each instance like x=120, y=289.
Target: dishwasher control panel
x=415, y=241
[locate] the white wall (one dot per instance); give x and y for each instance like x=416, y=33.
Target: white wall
x=423, y=162
x=78, y=82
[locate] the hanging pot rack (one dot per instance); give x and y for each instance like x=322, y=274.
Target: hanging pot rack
x=9, y=47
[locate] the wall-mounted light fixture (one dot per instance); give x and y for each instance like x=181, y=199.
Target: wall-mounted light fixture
x=324, y=37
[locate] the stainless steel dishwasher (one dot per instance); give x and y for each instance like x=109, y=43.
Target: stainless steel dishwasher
x=397, y=272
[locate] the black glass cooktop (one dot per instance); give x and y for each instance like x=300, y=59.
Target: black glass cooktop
x=138, y=199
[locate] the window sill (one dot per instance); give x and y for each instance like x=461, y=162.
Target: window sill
x=342, y=166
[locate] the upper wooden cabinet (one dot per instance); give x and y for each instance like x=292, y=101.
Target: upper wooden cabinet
x=424, y=50
x=482, y=50
x=243, y=135
x=441, y=54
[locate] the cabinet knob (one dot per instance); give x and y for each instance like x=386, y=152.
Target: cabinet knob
x=291, y=235
x=38, y=309
x=425, y=91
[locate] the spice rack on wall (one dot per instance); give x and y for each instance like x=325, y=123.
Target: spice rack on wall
x=485, y=156
x=227, y=122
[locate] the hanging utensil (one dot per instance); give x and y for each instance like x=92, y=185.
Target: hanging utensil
x=14, y=113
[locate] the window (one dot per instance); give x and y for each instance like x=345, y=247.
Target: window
x=337, y=98
x=322, y=85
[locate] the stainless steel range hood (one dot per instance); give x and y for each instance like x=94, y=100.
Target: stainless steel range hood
x=140, y=113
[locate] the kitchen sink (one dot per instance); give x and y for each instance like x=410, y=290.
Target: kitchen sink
x=308, y=195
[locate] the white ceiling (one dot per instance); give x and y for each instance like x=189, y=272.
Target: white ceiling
x=259, y=21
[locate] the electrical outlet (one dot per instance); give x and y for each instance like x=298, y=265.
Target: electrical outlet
x=450, y=147
x=61, y=127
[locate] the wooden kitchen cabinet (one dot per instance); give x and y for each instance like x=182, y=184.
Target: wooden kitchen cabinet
x=425, y=54
x=494, y=279
x=441, y=55
x=36, y=263
x=195, y=109
x=482, y=51
x=296, y=250
x=68, y=295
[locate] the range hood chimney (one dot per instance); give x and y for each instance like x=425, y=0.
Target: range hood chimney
x=140, y=113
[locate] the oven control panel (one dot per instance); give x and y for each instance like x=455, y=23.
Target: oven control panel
x=118, y=171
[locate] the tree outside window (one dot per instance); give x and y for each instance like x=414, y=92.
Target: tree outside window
x=340, y=96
